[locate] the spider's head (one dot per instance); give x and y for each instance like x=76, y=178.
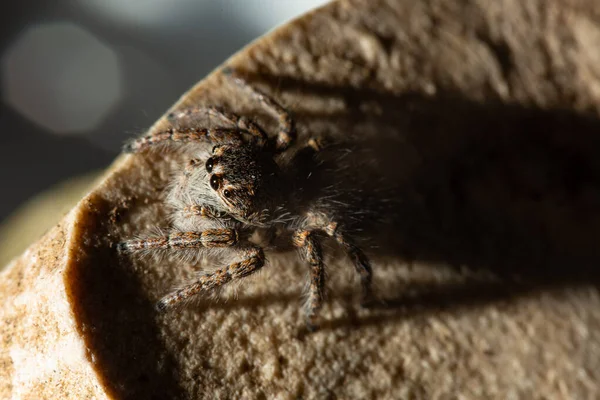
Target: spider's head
x=245, y=181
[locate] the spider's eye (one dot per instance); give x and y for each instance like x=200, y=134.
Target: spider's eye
x=209, y=165
x=227, y=193
x=214, y=182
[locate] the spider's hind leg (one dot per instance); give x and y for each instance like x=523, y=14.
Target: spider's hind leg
x=361, y=262
x=309, y=244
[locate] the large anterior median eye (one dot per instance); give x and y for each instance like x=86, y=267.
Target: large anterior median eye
x=215, y=181
x=209, y=165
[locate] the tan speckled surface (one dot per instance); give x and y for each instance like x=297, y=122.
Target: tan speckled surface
x=492, y=111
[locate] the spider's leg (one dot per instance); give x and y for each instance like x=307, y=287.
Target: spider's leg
x=185, y=135
x=242, y=123
x=253, y=260
x=286, y=134
x=204, y=211
x=362, y=265
x=183, y=240
x=316, y=143
x=309, y=244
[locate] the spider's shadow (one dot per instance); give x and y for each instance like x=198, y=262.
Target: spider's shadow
x=510, y=189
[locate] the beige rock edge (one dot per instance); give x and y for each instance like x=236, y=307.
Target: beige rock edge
x=495, y=105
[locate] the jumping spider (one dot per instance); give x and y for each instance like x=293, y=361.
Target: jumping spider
x=238, y=187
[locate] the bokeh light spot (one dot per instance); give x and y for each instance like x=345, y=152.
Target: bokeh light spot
x=61, y=77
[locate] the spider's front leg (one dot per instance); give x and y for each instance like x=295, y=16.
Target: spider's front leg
x=286, y=134
x=185, y=135
x=242, y=123
x=183, y=240
x=253, y=259
x=204, y=212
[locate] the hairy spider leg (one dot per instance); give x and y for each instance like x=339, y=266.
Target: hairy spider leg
x=361, y=262
x=286, y=134
x=308, y=241
x=183, y=240
x=253, y=260
x=242, y=123
x=204, y=211
x=186, y=135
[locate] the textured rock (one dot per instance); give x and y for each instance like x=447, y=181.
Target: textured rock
x=488, y=114
x=34, y=218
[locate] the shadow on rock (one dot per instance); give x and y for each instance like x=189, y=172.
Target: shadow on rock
x=505, y=188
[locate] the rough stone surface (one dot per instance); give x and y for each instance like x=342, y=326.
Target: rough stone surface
x=488, y=112
x=37, y=216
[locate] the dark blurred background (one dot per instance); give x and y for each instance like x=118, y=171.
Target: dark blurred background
x=78, y=77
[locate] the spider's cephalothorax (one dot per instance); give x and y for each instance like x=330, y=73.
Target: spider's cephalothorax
x=232, y=188
x=245, y=180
